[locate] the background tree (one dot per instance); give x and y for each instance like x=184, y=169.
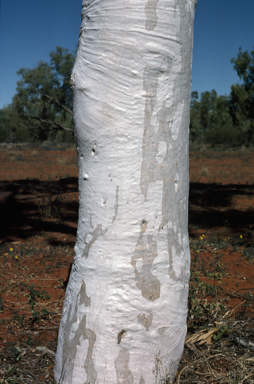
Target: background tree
x=226, y=119
x=12, y=128
x=125, y=310
x=242, y=96
x=207, y=110
x=221, y=129
x=210, y=119
x=42, y=108
x=43, y=100
x=195, y=122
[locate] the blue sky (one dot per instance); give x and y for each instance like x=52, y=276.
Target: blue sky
x=30, y=29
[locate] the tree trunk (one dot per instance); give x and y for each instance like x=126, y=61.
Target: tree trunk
x=124, y=316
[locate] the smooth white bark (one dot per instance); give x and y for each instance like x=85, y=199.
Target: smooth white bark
x=124, y=317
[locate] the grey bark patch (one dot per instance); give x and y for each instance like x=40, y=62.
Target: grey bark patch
x=146, y=250
x=83, y=298
x=162, y=330
x=144, y=320
x=70, y=346
x=151, y=15
x=124, y=375
x=150, y=86
x=151, y=171
x=120, y=336
x=97, y=232
x=89, y=364
x=175, y=160
x=116, y=204
x=172, y=241
x=91, y=221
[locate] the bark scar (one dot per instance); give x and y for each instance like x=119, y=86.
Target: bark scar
x=120, y=335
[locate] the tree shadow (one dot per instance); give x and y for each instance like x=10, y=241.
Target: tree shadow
x=29, y=207
x=211, y=206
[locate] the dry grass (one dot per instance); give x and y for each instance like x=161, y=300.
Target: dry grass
x=229, y=360
x=204, y=171
x=62, y=160
x=12, y=153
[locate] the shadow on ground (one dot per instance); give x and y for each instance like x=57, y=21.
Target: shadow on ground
x=29, y=207
x=211, y=206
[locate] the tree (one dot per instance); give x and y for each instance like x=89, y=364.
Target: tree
x=195, y=123
x=220, y=129
x=124, y=316
x=12, y=128
x=43, y=99
x=242, y=95
x=210, y=120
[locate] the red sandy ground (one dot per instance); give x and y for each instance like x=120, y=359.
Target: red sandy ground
x=38, y=220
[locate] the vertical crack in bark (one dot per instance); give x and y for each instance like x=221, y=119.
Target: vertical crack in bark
x=116, y=204
x=124, y=375
x=148, y=284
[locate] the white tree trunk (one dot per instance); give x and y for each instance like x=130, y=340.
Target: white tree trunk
x=124, y=316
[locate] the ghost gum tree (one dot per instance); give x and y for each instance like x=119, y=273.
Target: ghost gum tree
x=124, y=316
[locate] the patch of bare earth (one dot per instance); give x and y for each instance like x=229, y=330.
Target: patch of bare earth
x=38, y=219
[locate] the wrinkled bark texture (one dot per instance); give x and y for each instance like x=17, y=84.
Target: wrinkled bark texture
x=124, y=316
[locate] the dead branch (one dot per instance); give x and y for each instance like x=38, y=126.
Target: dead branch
x=52, y=98
x=47, y=121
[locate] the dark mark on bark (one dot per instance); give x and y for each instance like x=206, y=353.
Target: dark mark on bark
x=120, y=335
x=116, y=204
